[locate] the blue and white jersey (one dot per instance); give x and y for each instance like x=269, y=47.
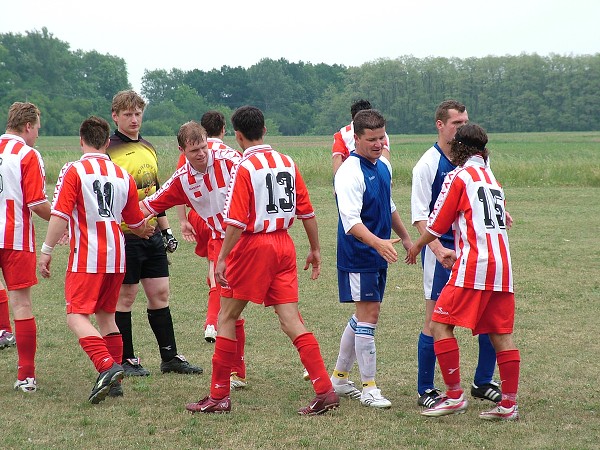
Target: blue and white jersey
x=363, y=195
x=427, y=178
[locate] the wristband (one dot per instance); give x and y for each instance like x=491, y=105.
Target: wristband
x=46, y=249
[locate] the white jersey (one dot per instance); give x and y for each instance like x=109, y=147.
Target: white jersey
x=22, y=185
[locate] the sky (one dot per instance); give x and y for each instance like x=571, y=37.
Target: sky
x=203, y=35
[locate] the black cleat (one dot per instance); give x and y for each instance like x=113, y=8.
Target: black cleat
x=179, y=365
x=489, y=391
x=104, y=382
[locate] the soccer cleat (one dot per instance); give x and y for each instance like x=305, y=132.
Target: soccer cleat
x=179, y=365
x=104, y=382
x=116, y=390
x=305, y=375
x=210, y=405
x=26, y=385
x=501, y=413
x=236, y=382
x=210, y=334
x=133, y=368
x=321, y=404
x=7, y=339
x=446, y=405
x=488, y=391
x=374, y=399
x=429, y=397
x=347, y=390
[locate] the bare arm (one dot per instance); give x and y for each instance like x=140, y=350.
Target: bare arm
x=444, y=255
x=314, y=255
x=385, y=247
x=56, y=229
x=400, y=230
x=42, y=210
x=187, y=230
x=232, y=235
x=337, y=161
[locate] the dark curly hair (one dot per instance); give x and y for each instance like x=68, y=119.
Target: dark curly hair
x=470, y=139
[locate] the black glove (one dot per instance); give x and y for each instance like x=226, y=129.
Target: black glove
x=169, y=240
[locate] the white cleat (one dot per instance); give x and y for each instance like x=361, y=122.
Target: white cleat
x=374, y=399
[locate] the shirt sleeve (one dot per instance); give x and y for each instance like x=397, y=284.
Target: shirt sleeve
x=132, y=214
x=170, y=194
x=238, y=203
x=446, y=206
x=349, y=189
x=65, y=193
x=339, y=146
x=420, y=197
x=34, y=179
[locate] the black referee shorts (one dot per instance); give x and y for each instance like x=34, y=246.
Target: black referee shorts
x=145, y=258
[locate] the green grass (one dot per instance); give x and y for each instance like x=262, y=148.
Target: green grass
x=554, y=245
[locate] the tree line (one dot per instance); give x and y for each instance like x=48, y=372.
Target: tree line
x=523, y=93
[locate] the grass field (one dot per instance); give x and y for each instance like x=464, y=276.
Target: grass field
x=552, y=183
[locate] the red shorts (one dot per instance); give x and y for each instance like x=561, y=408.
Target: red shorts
x=203, y=233
x=18, y=268
x=262, y=268
x=483, y=312
x=214, y=248
x=88, y=293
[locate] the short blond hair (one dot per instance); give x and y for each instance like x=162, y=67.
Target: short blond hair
x=20, y=114
x=124, y=100
x=190, y=133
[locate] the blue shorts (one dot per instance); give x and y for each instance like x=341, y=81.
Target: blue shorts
x=435, y=276
x=361, y=286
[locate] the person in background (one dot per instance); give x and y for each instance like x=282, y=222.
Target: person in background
x=23, y=182
x=91, y=198
x=367, y=214
x=146, y=258
x=479, y=294
x=343, y=140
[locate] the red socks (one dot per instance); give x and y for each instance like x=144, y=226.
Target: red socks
x=509, y=362
x=96, y=349
x=4, y=313
x=214, y=305
x=310, y=355
x=222, y=362
x=446, y=351
x=239, y=366
x=26, y=336
x=114, y=345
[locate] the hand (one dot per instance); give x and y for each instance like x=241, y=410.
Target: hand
x=509, y=220
x=446, y=258
x=64, y=239
x=169, y=240
x=187, y=231
x=313, y=259
x=386, y=249
x=44, y=265
x=220, y=269
x=411, y=254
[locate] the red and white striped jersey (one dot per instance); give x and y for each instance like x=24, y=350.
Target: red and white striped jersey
x=94, y=195
x=472, y=201
x=266, y=192
x=22, y=185
x=204, y=192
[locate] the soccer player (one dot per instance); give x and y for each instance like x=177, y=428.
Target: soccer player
x=23, y=182
x=343, y=140
x=479, y=294
x=437, y=258
x=367, y=214
x=193, y=228
x=146, y=258
x=201, y=183
x=257, y=262
x=91, y=198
